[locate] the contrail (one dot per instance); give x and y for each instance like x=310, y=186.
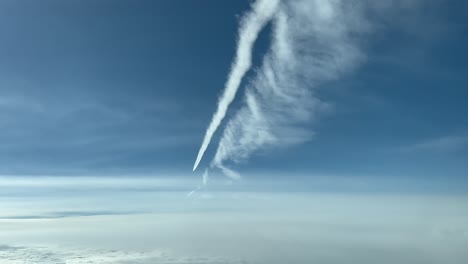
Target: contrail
x=313, y=42
x=203, y=185
x=251, y=25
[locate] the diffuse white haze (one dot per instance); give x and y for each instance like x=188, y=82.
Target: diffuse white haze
x=251, y=25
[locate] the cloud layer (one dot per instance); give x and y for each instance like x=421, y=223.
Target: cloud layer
x=57, y=255
x=256, y=227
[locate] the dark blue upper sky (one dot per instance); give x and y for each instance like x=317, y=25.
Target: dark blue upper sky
x=122, y=87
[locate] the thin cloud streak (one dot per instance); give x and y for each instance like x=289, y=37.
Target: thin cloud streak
x=442, y=144
x=251, y=25
x=202, y=186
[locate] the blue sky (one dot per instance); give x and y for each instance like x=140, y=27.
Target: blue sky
x=114, y=88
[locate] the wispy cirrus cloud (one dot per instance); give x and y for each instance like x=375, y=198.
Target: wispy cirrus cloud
x=63, y=214
x=43, y=135
x=441, y=144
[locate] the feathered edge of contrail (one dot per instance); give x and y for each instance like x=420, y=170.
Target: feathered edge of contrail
x=251, y=25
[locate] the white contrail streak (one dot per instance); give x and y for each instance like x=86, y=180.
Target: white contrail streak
x=313, y=41
x=251, y=25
